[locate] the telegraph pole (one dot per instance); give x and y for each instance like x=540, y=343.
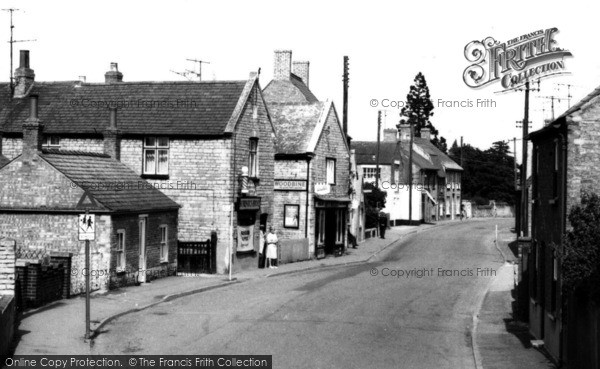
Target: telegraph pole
x=461, y=151
x=410, y=173
x=515, y=161
x=378, y=144
x=345, y=112
x=524, y=201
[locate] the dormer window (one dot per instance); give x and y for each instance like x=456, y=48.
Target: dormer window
x=51, y=142
x=156, y=155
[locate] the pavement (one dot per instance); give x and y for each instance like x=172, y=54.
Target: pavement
x=500, y=340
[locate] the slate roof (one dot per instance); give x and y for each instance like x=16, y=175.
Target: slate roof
x=170, y=108
x=295, y=124
x=289, y=91
x=3, y=160
x=110, y=182
x=366, y=151
x=436, y=154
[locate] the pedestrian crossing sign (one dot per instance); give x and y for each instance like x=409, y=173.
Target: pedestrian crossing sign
x=87, y=227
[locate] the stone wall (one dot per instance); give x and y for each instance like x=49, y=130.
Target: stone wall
x=7, y=292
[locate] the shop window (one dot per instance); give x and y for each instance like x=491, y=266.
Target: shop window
x=330, y=171
x=253, y=159
x=120, y=250
x=164, y=243
x=156, y=156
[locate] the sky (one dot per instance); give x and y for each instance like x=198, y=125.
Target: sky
x=388, y=43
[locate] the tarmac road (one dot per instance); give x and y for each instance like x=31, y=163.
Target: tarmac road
x=411, y=307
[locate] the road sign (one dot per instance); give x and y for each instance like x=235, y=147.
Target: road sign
x=87, y=227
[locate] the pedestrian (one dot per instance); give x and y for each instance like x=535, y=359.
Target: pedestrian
x=383, y=223
x=261, y=247
x=271, y=248
x=463, y=212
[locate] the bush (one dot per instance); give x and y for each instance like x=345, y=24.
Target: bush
x=581, y=251
x=374, y=202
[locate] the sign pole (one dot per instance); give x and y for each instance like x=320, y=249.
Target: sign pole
x=87, y=285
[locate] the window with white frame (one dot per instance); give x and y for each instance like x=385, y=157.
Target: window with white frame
x=156, y=155
x=51, y=142
x=164, y=243
x=330, y=171
x=253, y=158
x=121, y=265
x=369, y=173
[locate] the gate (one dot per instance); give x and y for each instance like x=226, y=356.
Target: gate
x=194, y=258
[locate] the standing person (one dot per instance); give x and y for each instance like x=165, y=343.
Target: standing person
x=382, y=224
x=261, y=247
x=271, y=248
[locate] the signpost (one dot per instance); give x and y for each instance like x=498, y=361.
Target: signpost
x=87, y=233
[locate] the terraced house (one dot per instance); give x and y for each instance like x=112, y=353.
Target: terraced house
x=209, y=146
x=312, y=165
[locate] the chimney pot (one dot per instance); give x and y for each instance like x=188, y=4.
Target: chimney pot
x=426, y=133
x=82, y=79
x=113, y=75
x=24, y=76
x=404, y=129
x=24, y=59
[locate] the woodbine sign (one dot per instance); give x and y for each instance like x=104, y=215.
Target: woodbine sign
x=514, y=62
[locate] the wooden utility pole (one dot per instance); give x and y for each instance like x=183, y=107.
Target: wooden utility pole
x=461, y=151
x=410, y=173
x=515, y=162
x=378, y=144
x=524, y=201
x=345, y=111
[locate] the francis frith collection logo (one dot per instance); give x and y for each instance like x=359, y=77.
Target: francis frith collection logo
x=514, y=62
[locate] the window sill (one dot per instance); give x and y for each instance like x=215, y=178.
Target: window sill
x=163, y=261
x=155, y=176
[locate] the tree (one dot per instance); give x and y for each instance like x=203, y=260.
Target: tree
x=374, y=202
x=419, y=109
x=581, y=250
x=488, y=175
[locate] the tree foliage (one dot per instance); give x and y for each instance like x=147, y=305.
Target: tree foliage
x=580, y=257
x=488, y=175
x=419, y=109
x=374, y=202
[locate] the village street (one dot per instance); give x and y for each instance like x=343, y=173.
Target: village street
x=347, y=317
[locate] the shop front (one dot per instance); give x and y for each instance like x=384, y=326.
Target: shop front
x=249, y=219
x=331, y=225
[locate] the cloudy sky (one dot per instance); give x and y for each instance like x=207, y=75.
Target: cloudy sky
x=388, y=43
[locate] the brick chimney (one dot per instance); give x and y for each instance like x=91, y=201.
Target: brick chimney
x=112, y=137
x=426, y=133
x=113, y=75
x=404, y=129
x=32, y=132
x=24, y=75
x=301, y=68
x=282, y=64
x=390, y=135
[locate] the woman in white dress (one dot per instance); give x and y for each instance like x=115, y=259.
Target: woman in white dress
x=271, y=247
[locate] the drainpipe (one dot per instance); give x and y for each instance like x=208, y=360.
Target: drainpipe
x=307, y=195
